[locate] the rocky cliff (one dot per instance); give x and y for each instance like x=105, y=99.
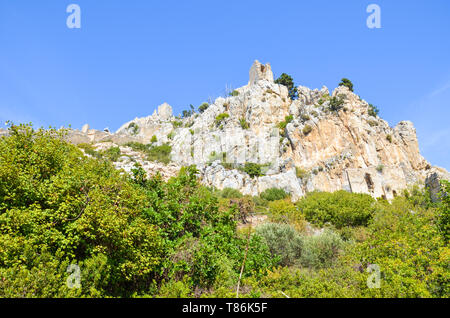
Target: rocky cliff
x=321, y=141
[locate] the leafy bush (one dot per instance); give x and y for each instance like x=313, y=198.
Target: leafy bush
x=305, y=117
x=283, y=242
x=154, y=139
x=372, y=123
x=221, y=117
x=321, y=251
x=389, y=138
x=203, y=107
x=287, y=120
x=301, y=173
x=336, y=104
x=244, y=124
x=274, y=194
x=300, y=283
x=234, y=93
x=307, y=130
x=284, y=211
x=112, y=153
x=409, y=248
x=373, y=111
x=339, y=208
x=253, y=169
x=229, y=193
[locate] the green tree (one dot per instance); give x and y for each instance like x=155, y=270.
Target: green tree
x=336, y=103
x=287, y=81
x=203, y=107
x=347, y=83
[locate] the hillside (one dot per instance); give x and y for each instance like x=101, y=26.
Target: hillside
x=257, y=195
x=322, y=141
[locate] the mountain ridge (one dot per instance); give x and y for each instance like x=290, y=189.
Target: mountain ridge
x=321, y=141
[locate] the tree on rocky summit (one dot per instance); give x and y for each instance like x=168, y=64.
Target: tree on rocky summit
x=347, y=83
x=287, y=81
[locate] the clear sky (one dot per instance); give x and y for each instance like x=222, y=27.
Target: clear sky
x=131, y=56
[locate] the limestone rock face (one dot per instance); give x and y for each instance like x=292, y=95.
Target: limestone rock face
x=320, y=149
x=433, y=181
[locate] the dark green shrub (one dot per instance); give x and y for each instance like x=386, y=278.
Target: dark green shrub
x=301, y=173
x=336, y=104
x=372, y=123
x=221, y=117
x=253, y=169
x=307, y=130
x=285, y=212
x=305, y=117
x=244, y=124
x=229, y=193
x=287, y=81
x=347, y=83
x=389, y=138
x=274, y=194
x=339, y=208
x=283, y=241
x=283, y=124
x=321, y=251
x=203, y=107
x=373, y=111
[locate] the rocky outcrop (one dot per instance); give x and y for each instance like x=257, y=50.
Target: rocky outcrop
x=320, y=146
x=260, y=72
x=433, y=182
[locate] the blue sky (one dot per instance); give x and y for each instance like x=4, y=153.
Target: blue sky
x=130, y=56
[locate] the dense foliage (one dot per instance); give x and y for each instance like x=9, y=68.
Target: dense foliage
x=133, y=237
x=340, y=208
x=129, y=235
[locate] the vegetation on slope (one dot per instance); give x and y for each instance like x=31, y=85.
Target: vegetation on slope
x=132, y=236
